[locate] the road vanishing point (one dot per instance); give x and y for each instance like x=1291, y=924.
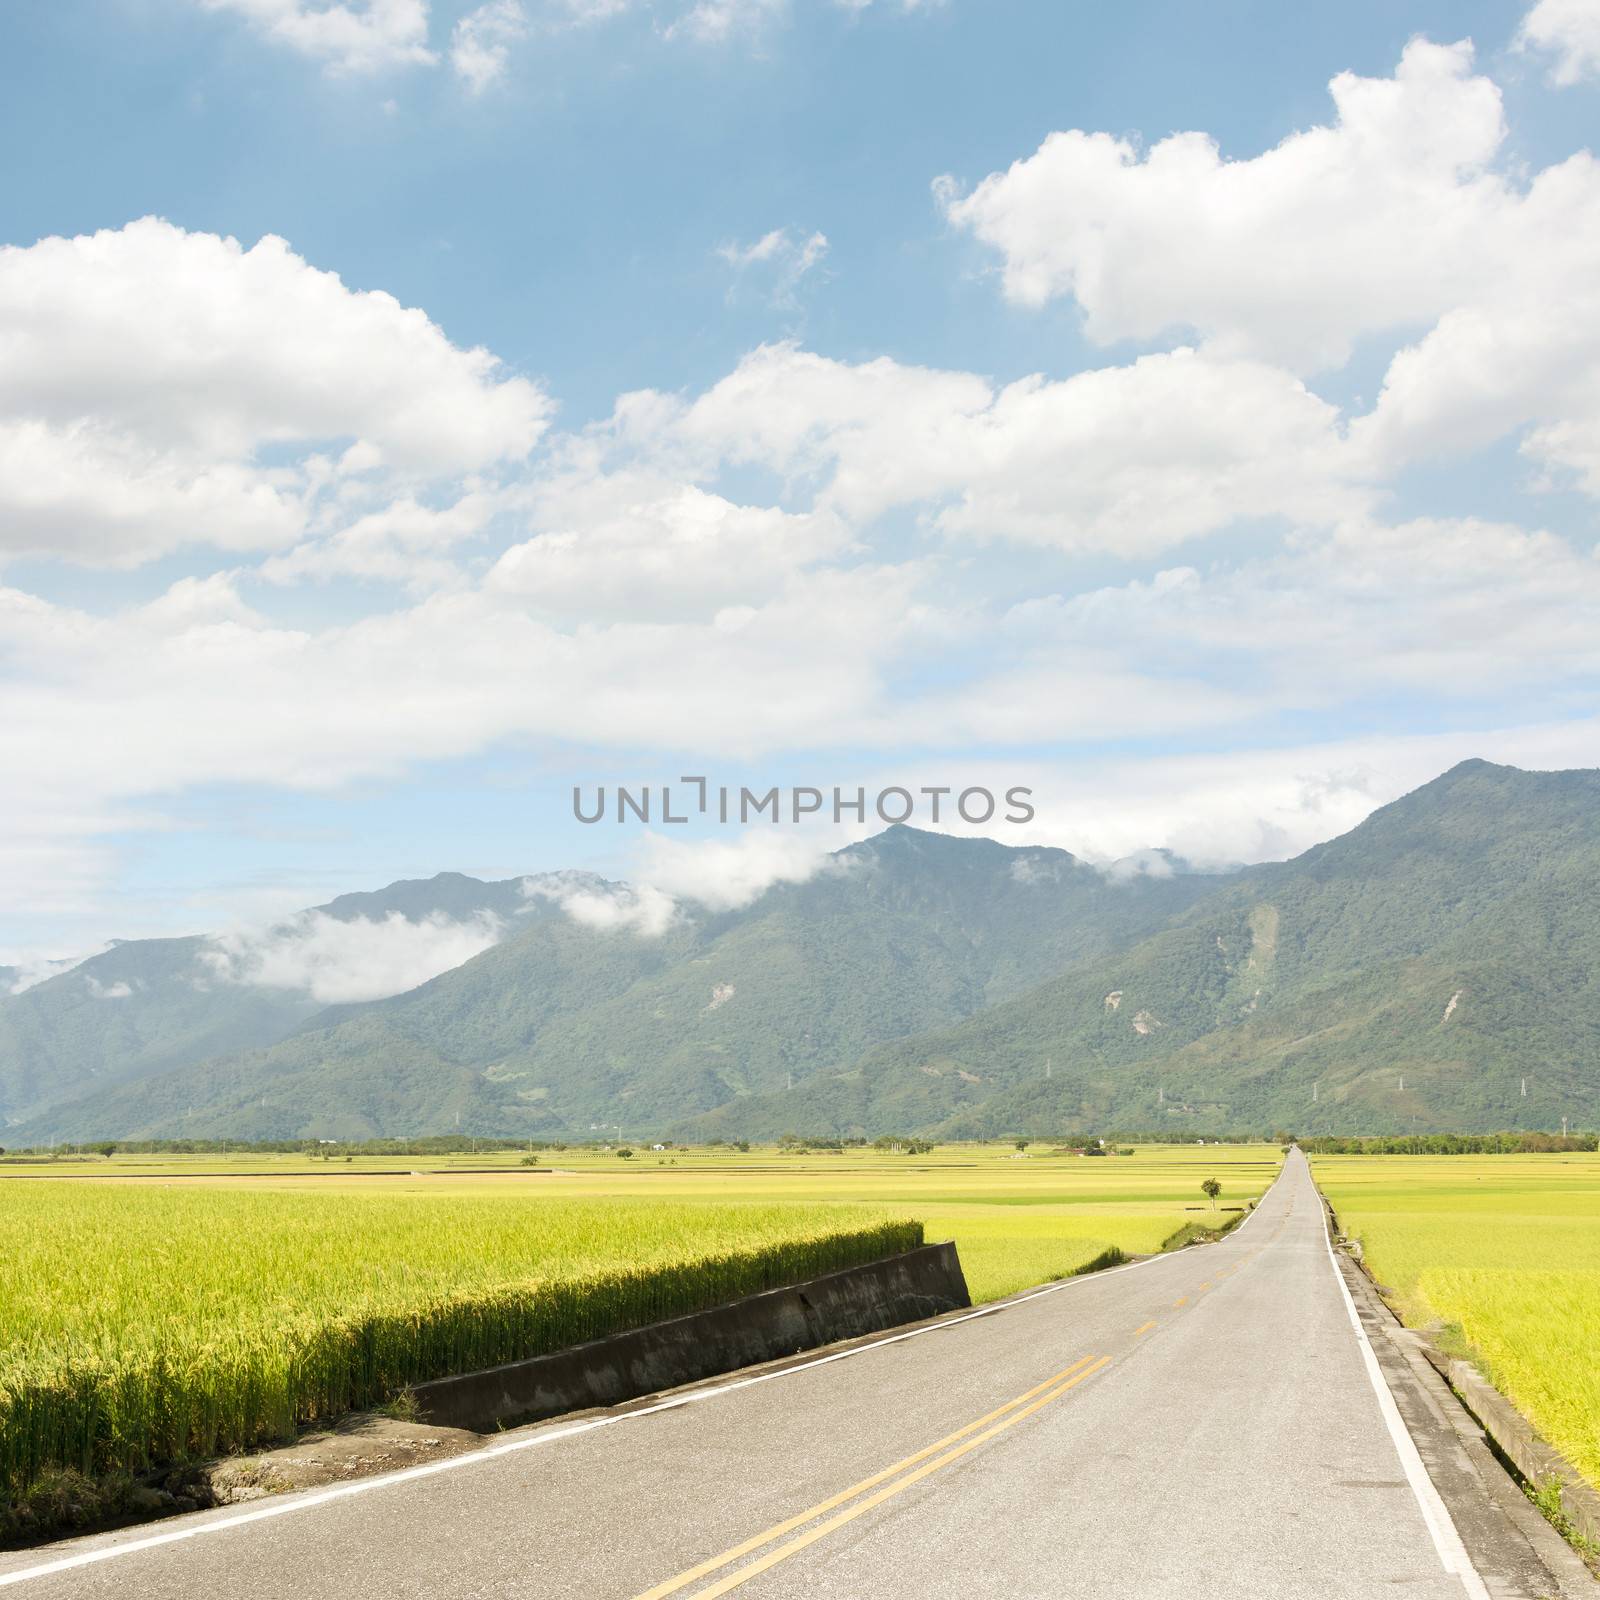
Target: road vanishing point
x=1221, y=1423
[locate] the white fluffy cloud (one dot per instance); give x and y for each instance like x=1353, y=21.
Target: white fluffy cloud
x=1382, y=220
x=1569, y=30
x=480, y=45
x=164, y=388
x=729, y=874
x=1523, y=348
x=359, y=37
x=631, y=546
x=608, y=907
x=1401, y=219
x=1127, y=459
x=405, y=542
x=679, y=876
x=339, y=961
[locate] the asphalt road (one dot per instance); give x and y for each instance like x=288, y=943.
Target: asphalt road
x=1207, y=1424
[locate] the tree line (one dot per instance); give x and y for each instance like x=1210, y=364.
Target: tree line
x=1451, y=1144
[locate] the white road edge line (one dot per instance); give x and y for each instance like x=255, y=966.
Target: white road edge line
x=1441, y=1526
x=345, y=1491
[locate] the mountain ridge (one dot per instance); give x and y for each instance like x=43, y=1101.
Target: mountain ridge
x=564, y=1025
x=1412, y=972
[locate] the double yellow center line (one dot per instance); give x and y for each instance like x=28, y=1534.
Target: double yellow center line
x=914, y=1467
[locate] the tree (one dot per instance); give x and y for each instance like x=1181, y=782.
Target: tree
x=1022, y=1144
x=106, y=1149
x=625, y=1153
x=1211, y=1189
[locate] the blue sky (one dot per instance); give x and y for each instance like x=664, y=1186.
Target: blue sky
x=1271, y=541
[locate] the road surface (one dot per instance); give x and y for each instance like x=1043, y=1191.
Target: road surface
x=1209, y=1425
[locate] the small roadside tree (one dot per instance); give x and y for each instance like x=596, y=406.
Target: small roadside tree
x=1211, y=1189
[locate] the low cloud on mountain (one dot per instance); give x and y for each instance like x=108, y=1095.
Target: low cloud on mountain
x=341, y=961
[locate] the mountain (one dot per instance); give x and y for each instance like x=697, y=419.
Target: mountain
x=150, y=1006
x=1436, y=967
x=1449, y=943
x=565, y=1025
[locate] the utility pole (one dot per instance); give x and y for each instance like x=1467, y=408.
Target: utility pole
x=1524, y=1088
x=1313, y=1094
x=1563, y=1127
x=1047, y=1064
x=1402, y=1083
x=1161, y=1097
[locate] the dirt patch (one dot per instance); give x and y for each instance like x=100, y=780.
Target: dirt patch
x=1263, y=939
x=359, y=1447
x=62, y=1503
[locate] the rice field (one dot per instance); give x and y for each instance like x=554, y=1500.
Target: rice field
x=144, y=1325
x=150, y=1314
x=1505, y=1252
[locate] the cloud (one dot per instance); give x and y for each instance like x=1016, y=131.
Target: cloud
x=715, y=21
x=359, y=38
x=197, y=687
x=1380, y=221
x=677, y=874
x=1522, y=349
x=1218, y=808
x=1151, y=863
x=783, y=260
x=634, y=546
x=31, y=969
x=351, y=38
x=1129, y=459
x=165, y=388
x=730, y=874
x=480, y=44
x=1453, y=608
x=339, y=961
x=106, y=991
x=608, y=907
x=1401, y=220
x=1570, y=31
x=405, y=542
x=1035, y=868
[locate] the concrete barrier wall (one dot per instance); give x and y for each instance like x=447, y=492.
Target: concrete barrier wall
x=763, y=1327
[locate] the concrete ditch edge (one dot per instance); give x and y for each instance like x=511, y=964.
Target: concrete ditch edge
x=849, y=1304
x=1481, y=1450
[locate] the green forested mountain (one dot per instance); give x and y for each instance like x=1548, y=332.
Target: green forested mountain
x=1450, y=944
x=148, y=1006
x=562, y=1026
x=1413, y=973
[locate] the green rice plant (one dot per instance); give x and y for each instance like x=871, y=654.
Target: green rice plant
x=143, y=1326
x=1503, y=1250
